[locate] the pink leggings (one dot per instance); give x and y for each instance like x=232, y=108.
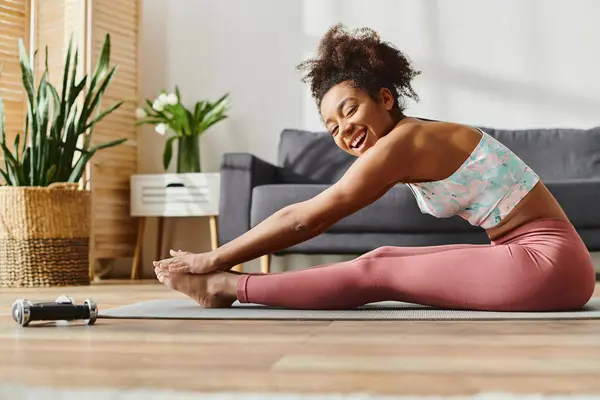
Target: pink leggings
x=541, y=266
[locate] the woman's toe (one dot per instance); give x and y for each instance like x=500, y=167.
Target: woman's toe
x=162, y=276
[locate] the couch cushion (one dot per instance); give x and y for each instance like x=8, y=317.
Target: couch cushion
x=396, y=211
x=580, y=199
x=555, y=154
x=314, y=155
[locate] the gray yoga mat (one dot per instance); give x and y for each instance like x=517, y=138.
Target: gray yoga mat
x=188, y=309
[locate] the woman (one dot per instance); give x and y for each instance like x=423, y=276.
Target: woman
x=535, y=261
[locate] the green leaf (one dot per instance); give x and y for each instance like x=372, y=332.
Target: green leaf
x=168, y=152
x=189, y=121
x=43, y=117
x=66, y=82
x=149, y=121
x=87, y=140
x=99, y=73
x=26, y=73
x=221, y=99
x=77, y=89
x=46, y=69
x=26, y=165
x=26, y=133
x=5, y=176
x=103, y=61
x=54, y=130
x=2, y=122
x=88, y=108
x=180, y=122
x=104, y=114
x=107, y=145
x=51, y=174
x=75, y=61
x=3, y=129
x=42, y=86
x=12, y=169
x=70, y=141
x=198, y=112
x=216, y=113
x=202, y=108
x=16, y=146
x=73, y=77
x=63, y=114
x=212, y=121
x=79, y=168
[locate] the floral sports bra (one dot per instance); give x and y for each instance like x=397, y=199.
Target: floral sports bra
x=483, y=190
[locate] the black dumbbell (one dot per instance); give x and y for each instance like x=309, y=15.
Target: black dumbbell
x=63, y=309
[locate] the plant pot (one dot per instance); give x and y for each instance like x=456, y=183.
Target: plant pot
x=44, y=236
x=188, y=154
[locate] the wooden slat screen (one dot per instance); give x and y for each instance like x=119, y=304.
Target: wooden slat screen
x=14, y=24
x=56, y=21
x=113, y=230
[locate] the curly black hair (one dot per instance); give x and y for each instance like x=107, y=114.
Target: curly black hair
x=362, y=59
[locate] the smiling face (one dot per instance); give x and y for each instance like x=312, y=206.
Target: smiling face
x=356, y=120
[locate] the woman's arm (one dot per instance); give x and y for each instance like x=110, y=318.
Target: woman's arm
x=368, y=178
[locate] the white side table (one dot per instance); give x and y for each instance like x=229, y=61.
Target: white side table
x=173, y=195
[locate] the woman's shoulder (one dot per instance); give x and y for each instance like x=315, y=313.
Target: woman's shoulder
x=419, y=124
x=429, y=134
x=433, y=147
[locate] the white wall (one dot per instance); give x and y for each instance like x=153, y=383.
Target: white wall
x=509, y=64
x=208, y=48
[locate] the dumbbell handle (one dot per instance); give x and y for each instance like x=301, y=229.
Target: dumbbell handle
x=25, y=312
x=56, y=312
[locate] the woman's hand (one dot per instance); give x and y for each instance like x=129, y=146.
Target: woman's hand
x=185, y=262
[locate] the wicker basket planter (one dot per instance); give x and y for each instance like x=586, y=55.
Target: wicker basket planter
x=44, y=236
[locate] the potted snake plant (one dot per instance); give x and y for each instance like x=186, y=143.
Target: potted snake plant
x=45, y=221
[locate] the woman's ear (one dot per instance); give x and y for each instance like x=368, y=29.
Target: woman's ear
x=386, y=98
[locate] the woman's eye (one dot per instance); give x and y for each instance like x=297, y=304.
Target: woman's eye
x=334, y=130
x=351, y=111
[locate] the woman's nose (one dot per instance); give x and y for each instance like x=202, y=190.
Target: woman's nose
x=347, y=129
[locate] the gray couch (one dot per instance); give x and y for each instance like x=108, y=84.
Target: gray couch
x=567, y=160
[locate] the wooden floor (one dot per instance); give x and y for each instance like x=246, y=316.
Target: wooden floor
x=386, y=357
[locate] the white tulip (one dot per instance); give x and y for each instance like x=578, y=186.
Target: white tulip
x=161, y=129
x=163, y=98
x=172, y=99
x=140, y=113
x=158, y=105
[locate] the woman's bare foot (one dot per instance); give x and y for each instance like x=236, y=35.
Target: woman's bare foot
x=212, y=290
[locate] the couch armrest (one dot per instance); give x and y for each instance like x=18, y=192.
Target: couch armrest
x=240, y=174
